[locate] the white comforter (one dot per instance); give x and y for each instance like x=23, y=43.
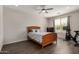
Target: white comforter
x=37, y=36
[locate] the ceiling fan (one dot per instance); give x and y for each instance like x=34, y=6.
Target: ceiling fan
x=44, y=9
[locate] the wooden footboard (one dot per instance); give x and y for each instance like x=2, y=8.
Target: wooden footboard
x=48, y=39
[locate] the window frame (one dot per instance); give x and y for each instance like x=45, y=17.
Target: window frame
x=61, y=27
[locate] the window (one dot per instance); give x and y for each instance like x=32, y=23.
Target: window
x=61, y=24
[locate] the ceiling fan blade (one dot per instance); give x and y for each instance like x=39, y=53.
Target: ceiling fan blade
x=49, y=9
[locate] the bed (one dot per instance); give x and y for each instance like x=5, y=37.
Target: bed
x=43, y=38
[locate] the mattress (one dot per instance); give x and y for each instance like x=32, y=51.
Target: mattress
x=37, y=36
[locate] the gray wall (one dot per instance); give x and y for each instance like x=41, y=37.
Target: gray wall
x=49, y=22
x=74, y=21
x=15, y=23
x=1, y=27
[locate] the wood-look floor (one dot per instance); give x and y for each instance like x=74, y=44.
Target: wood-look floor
x=29, y=47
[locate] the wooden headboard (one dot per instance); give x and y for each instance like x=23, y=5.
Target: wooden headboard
x=29, y=28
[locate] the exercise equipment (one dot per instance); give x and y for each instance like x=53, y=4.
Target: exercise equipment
x=75, y=38
x=68, y=34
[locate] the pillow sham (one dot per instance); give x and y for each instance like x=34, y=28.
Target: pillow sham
x=35, y=30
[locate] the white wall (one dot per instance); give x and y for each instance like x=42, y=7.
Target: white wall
x=15, y=23
x=1, y=27
x=74, y=21
x=49, y=22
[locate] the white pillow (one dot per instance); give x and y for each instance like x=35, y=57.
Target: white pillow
x=35, y=30
x=38, y=30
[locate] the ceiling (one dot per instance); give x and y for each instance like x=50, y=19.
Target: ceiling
x=58, y=9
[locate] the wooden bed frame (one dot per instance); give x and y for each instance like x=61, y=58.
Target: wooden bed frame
x=46, y=39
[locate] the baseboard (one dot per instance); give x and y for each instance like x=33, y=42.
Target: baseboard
x=15, y=42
